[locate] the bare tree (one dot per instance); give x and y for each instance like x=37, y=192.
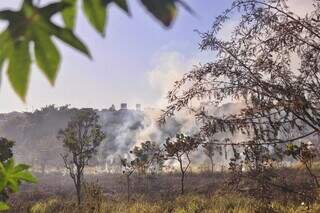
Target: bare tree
x=81, y=138
x=270, y=63
x=180, y=150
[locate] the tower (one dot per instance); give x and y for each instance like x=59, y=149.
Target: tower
x=138, y=107
x=123, y=106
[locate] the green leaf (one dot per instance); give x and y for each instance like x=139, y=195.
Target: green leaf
x=186, y=7
x=19, y=68
x=163, y=10
x=51, y=9
x=13, y=185
x=25, y=176
x=121, y=3
x=96, y=12
x=68, y=37
x=9, y=166
x=7, y=15
x=3, y=181
x=47, y=55
x=21, y=167
x=3, y=206
x=69, y=13
x=12, y=175
x=6, y=46
x=33, y=24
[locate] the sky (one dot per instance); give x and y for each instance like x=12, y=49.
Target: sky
x=136, y=62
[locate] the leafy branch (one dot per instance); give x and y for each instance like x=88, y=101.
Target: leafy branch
x=11, y=176
x=32, y=24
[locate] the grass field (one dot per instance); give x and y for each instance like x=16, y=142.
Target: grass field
x=160, y=194
x=182, y=204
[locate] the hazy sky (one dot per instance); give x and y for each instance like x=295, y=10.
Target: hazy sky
x=134, y=63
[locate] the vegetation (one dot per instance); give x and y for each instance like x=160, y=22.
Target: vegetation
x=183, y=204
x=180, y=150
x=33, y=24
x=209, y=150
x=11, y=175
x=148, y=158
x=108, y=195
x=129, y=167
x=6, y=149
x=270, y=64
x=81, y=139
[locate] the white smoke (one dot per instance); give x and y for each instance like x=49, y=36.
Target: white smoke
x=301, y=7
x=168, y=68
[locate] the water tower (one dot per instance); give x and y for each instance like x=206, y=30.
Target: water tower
x=124, y=106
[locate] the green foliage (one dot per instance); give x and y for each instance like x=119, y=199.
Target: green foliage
x=182, y=145
x=96, y=14
x=180, y=149
x=148, y=157
x=33, y=24
x=3, y=206
x=11, y=176
x=303, y=152
x=86, y=122
x=95, y=11
x=69, y=13
x=81, y=138
x=5, y=149
x=163, y=10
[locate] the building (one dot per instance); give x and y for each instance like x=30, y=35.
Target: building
x=138, y=107
x=124, y=106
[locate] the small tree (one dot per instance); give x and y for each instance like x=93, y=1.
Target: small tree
x=209, y=150
x=306, y=155
x=269, y=63
x=81, y=138
x=180, y=150
x=149, y=157
x=146, y=158
x=129, y=167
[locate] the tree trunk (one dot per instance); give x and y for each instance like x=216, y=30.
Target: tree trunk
x=78, y=187
x=313, y=176
x=182, y=175
x=43, y=168
x=128, y=188
x=79, y=194
x=182, y=183
x=212, y=166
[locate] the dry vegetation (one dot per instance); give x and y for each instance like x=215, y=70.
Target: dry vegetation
x=204, y=193
x=271, y=65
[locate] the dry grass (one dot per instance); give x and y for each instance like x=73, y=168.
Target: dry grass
x=205, y=193
x=182, y=204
